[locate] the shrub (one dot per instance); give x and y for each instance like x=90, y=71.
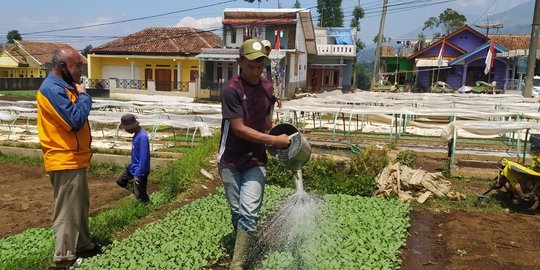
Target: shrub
x=329, y=176
x=407, y=158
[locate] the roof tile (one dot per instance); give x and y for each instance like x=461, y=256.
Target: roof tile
x=162, y=41
x=513, y=42
x=41, y=51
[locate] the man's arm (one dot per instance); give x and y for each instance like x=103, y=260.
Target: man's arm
x=75, y=114
x=252, y=135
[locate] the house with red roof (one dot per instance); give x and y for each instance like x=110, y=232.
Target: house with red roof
x=27, y=59
x=157, y=60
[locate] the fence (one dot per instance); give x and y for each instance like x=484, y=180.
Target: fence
x=20, y=83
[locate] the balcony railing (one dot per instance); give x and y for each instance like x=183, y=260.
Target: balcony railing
x=130, y=84
x=337, y=50
x=96, y=83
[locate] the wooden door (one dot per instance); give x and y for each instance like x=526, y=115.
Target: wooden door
x=469, y=81
x=291, y=39
x=163, y=80
x=148, y=76
x=314, y=80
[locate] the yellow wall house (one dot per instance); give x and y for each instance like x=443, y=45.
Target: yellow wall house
x=27, y=59
x=156, y=61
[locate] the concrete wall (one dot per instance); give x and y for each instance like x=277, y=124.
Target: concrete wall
x=20, y=83
x=96, y=158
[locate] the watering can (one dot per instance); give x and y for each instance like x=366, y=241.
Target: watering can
x=297, y=154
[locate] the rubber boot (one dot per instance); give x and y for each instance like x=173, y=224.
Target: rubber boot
x=240, y=250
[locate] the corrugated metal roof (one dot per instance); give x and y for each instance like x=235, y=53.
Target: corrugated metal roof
x=181, y=41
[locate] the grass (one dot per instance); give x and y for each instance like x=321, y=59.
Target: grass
x=23, y=160
x=19, y=93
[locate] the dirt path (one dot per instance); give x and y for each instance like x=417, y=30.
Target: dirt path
x=26, y=198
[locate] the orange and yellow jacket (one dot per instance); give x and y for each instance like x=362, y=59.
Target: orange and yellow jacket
x=64, y=131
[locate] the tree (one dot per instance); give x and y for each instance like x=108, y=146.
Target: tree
x=450, y=20
x=86, y=50
x=359, y=45
x=297, y=4
x=376, y=38
x=358, y=13
x=330, y=13
x=12, y=36
x=431, y=23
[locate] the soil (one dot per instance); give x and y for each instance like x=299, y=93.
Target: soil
x=26, y=200
x=473, y=239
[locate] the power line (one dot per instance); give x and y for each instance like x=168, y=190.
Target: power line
x=485, y=11
x=196, y=31
x=128, y=20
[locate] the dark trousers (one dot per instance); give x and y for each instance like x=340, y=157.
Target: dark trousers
x=125, y=180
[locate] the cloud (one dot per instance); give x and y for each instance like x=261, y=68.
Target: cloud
x=202, y=23
x=469, y=3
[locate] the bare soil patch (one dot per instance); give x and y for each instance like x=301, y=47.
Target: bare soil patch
x=26, y=199
x=472, y=239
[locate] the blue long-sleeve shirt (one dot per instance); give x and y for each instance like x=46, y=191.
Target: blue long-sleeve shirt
x=140, y=154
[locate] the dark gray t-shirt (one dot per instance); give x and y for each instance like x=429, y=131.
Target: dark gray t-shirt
x=252, y=103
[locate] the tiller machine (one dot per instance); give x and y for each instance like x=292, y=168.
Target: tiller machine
x=521, y=182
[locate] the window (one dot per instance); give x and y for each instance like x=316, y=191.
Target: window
x=193, y=75
x=253, y=32
x=230, y=71
x=233, y=35
x=248, y=33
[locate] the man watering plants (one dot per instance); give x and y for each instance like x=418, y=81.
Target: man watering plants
x=64, y=134
x=246, y=107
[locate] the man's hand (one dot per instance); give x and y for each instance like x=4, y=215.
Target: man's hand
x=137, y=180
x=281, y=141
x=80, y=88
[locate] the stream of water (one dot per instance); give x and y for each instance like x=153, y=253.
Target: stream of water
x=294, y=222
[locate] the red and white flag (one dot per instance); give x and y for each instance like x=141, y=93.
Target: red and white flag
x=490, y=58
x=277, y=33
x=441, y=53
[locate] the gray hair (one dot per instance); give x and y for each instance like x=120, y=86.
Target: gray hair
x=60, y=55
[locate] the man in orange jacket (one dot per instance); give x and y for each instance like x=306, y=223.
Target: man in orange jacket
x=64, y=134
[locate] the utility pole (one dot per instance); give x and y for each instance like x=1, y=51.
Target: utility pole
x=379, y=41
x=533, y=44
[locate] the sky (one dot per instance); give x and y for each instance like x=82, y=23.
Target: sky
x=99, y=21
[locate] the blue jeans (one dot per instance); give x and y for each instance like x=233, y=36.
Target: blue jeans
x=244, y=191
